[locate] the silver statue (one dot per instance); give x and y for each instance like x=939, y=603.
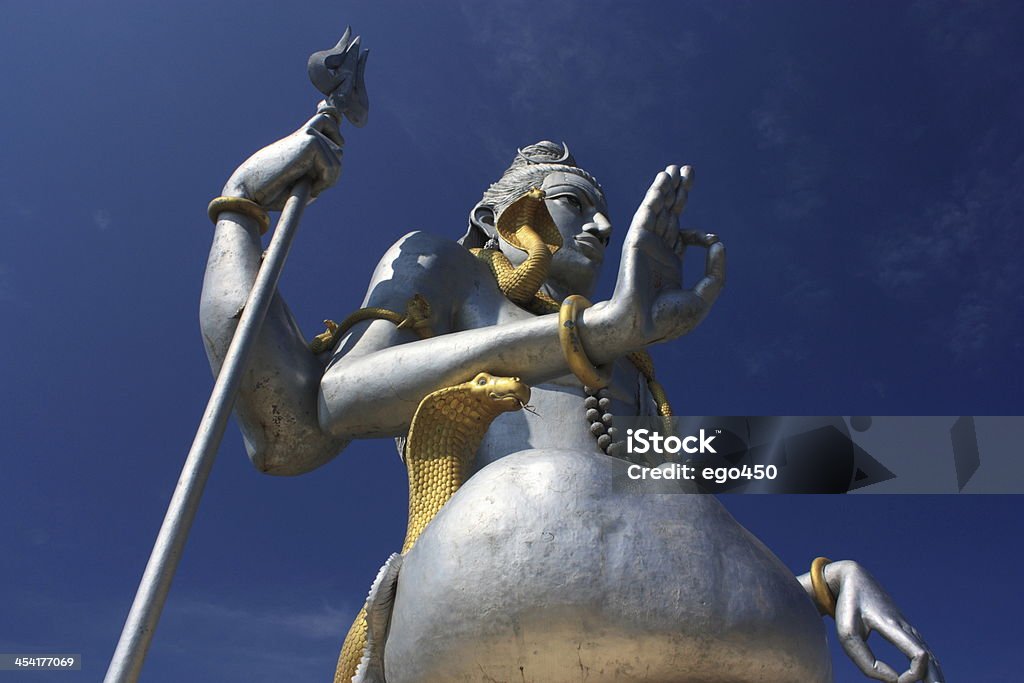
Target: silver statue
x=536, y=569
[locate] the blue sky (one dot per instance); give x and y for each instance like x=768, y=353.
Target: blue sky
x=862, y=161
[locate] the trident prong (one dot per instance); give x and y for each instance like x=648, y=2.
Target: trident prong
x=338, y=74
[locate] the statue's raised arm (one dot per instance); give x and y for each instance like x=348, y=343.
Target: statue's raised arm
x=277, y=397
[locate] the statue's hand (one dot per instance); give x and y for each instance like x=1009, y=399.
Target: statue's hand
x=313, y=152
x=650, y=302
x=863, y=606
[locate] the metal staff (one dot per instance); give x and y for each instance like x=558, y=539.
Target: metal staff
x=337, y=73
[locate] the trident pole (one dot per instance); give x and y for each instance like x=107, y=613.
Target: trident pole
x=170, y=541
x=338, y=74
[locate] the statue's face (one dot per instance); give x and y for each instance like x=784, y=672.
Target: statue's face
x=579, y=211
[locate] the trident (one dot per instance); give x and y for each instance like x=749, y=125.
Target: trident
x=338, y=74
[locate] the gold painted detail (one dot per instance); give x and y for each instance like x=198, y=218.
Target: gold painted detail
x=572, y=348
x=446, y=431
x=246, y=207
x=527, y=225
x=822, y=594
x=416, y=318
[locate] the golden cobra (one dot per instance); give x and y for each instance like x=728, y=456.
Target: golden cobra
x=445, y=433
x=527, y=225
x=416, y=318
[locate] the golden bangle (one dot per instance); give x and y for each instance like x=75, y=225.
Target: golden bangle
x=568, y=335
x=822, y=594
x=246, y=207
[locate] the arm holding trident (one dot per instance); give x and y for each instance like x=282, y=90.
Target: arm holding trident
x=277, y=410
x=339, y=75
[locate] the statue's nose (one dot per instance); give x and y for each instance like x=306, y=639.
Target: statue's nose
x=600, y=226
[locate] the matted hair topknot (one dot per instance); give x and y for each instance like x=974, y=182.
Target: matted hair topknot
x=544, y=152
x=528, y=169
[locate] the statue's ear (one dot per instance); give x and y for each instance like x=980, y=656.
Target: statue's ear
x=481, y=227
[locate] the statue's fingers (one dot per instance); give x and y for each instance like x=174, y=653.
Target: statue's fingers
x=861, y=654
x=679, y=201
x=659, y=192
x=693, y=238
x=853, y=633
x=934, y=674
x=682, y=189
x=325, y=126
x=714, y=262
x=686, y=177
x=326, y=164
x=710, y=286
x=663, y=223
x=660, y=258
x=680, y=245
x=673, y=173
x=908, y=645
x=643, y=219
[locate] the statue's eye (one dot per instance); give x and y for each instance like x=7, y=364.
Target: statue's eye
x=573, y=202
x=482, y=381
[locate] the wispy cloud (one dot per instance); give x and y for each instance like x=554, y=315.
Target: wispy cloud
x=236, y=640
x=971, y=329
x=799, y=172
x=563, y=60
x=970, y=242
x=970, y=30
x=768, y=358
x=323, y=623
x=102, y=219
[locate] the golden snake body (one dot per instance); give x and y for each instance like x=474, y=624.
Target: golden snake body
x=446, y=431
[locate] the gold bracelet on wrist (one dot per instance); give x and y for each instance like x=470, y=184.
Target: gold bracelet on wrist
x=821, y=593
x=246, y=207
x=569, y=337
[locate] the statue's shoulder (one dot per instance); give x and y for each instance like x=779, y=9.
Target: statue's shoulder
x=437, y=268
x=418, y=253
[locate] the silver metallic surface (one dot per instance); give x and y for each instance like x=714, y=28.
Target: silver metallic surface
x=536, y=570
x=338, y=74
x=137, y=634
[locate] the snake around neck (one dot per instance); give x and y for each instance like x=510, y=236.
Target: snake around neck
x=527, y=225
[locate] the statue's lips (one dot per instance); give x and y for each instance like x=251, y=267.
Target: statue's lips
x=590, y=246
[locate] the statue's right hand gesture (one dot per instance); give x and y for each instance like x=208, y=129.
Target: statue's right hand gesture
x=314, y=151
x=650, y=303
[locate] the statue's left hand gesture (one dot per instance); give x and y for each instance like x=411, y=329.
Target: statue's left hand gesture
x=863, y=606
x=650, y=303
x=314, y=151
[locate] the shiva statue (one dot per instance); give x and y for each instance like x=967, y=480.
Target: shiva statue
x=499, y=381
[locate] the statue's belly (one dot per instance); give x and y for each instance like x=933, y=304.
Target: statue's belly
x=537, y=570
